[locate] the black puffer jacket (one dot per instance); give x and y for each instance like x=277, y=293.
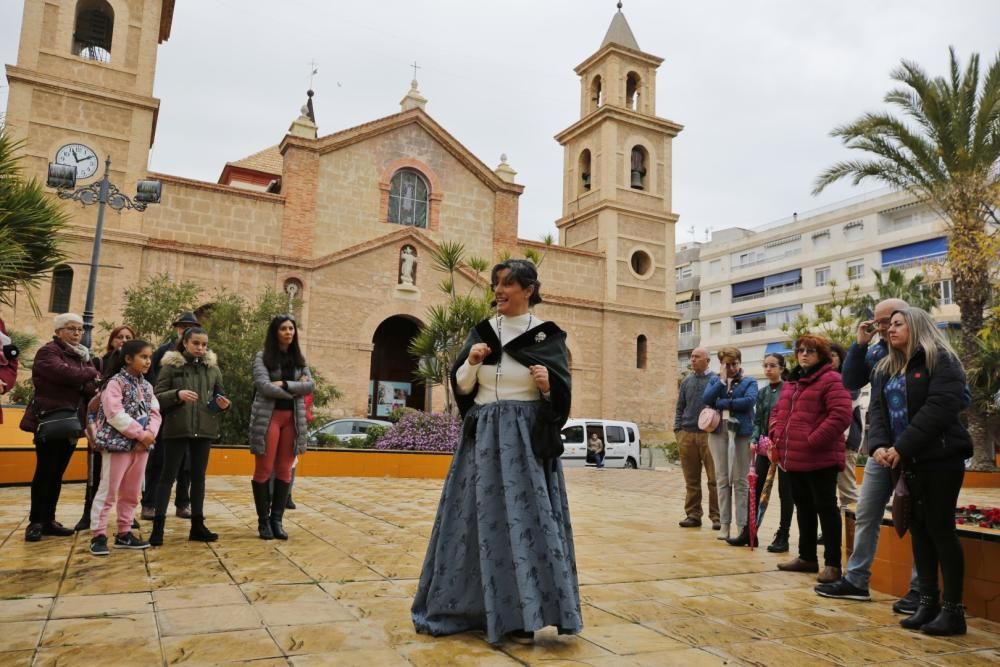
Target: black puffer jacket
x=934, y=401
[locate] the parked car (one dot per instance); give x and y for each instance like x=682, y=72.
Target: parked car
x=346, y=429
x=620, y=438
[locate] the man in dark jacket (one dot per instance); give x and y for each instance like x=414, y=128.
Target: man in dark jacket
x=692, y=443
x=876, y=488
x=154, y=464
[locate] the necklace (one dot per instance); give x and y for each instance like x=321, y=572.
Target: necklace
x=496, y=383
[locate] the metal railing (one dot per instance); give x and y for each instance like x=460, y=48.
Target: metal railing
x=754, y=329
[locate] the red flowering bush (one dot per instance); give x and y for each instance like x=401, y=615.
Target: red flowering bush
x=422, y=432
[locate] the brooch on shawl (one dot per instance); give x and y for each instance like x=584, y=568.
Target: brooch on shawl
x=540, y=336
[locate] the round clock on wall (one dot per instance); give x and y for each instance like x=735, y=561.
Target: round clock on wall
x=80, y=156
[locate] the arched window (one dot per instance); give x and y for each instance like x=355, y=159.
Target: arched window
x=95, y=23
x=596, y=96
x=585, y=171
x=638, y=171
x=62, y=288
x=640, y=351
x=408, y=195
x=632, y=86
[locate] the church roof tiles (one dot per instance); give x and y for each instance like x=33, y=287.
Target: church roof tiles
x=268, y=161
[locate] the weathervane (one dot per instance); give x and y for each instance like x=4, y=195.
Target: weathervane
x=313, y=71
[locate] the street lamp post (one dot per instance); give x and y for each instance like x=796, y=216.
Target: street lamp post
x=63, y=178
x=103, y=192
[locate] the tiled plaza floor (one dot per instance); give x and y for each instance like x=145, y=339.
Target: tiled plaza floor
x=339, y=591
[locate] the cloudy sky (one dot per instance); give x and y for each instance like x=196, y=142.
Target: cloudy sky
x=757, y=85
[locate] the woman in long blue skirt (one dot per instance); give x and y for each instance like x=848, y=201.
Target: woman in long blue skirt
x=500, y=557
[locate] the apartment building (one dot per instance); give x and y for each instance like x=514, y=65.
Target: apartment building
x=745, y=284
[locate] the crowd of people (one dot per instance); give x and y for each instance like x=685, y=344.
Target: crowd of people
x=150, y=418
x=505, y=486
x=801, y=425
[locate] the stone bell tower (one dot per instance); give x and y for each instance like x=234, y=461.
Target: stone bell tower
x=617, y=173
x=84, y=75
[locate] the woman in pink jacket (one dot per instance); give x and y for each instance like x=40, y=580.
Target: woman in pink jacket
x=127, y=423
x=807, y=429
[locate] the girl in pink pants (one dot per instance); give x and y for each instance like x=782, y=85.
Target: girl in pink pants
x=127, y=422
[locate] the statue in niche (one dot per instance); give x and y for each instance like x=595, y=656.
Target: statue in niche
x=407, y=266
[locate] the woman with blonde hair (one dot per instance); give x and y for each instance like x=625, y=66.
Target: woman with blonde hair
x=918, y=392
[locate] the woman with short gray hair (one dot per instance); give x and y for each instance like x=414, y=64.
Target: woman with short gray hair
x=65, y=377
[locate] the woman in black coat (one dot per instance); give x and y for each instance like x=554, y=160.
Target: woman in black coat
x=918, y=392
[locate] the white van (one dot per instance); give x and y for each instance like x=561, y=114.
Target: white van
x=621, y=443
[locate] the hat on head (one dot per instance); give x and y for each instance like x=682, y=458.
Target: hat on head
x=186, y=318
x=61, y=321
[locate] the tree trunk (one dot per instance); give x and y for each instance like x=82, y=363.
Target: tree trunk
x=983, y=454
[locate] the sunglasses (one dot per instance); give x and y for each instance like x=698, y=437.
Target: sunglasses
x=805, y=350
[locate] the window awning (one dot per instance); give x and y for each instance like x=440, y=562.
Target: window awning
x=930, y=249
x=748, y=287
x=782, y=347
x=786, y=278
x=749, y=316
x=684, y=296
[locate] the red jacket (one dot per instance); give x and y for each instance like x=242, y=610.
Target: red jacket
x=808, y=422
x=8, y=372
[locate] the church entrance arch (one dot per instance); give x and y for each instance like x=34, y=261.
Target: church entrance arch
x=391, y=381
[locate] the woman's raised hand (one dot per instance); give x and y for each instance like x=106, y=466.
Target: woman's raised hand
x=478, y=352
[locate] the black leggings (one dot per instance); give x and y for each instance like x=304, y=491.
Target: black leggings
x=761, y=465
x=197, y=450
x=815, y=493
x=154, y=468
x=51, y=460
x=932, y=529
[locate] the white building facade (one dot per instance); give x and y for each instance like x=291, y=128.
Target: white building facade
x=751, y=282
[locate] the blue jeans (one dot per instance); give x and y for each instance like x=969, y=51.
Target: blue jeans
x=876, y=489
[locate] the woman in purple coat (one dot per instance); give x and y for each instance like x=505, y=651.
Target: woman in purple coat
x=65, y=378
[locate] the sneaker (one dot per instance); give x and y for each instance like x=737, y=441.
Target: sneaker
x=908, y=603
x=842, y=589
x=690, y=522
x=128, y=541
x=184, y=512
x=716, y=525
x=148, y=513
x=99, y=545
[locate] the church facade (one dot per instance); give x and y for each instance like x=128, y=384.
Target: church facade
x=346, y=222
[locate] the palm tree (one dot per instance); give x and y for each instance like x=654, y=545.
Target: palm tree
x=914, y=291
x=948, y=156
x=29, y=225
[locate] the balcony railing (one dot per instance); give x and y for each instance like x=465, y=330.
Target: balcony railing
x=688, y=341
x=767, y=260
x=777, y=289
x=754, y=329
x=689, y=311
x=687, y=284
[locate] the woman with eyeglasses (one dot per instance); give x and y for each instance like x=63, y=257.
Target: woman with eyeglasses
x=733, y=394
x=918, y=393
x=776, y=372
x=278, y=427
x=807, y=432
x=65, y=377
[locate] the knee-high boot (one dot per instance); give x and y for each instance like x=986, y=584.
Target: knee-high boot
x=278, y=508
x=262, y=500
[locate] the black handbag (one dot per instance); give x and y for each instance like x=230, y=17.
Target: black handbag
x=902, y=506
x=59, y=425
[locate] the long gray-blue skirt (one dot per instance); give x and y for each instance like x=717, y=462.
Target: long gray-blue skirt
x=501, y=554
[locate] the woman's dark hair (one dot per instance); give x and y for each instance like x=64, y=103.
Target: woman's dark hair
x=186, y=336
x=524, y=273
x=114, y=334
x=118, y=358
x=782, y=364
x=272, y=350
x=841, y=353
